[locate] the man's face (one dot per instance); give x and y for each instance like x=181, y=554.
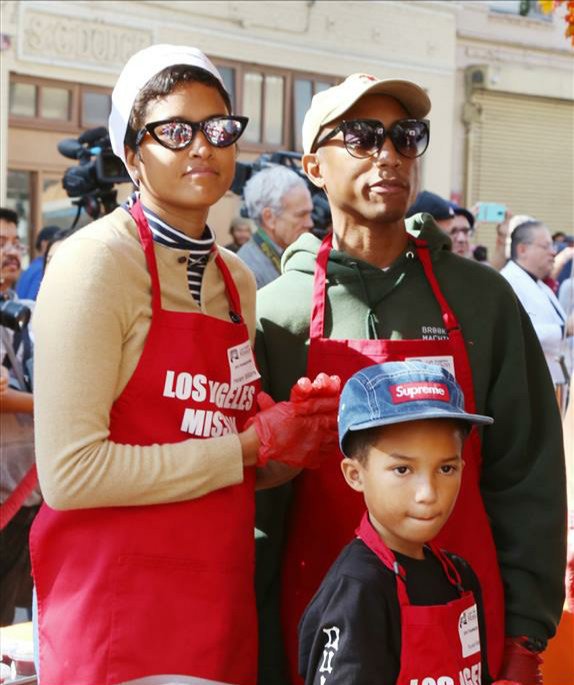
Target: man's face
x=374, y=189
x=460, y=233
x=537, y=256
x=10, y=254
x=294, y=219
x=241, y=234
x=410, y=480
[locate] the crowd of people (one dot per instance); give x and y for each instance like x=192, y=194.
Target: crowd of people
x=207, y=487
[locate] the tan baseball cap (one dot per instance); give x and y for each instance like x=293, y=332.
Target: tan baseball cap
x=330, y=104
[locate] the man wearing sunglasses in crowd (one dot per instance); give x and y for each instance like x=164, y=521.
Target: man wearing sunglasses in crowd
x=384, y=289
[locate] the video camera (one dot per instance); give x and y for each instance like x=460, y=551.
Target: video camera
x=13, y=315
x=92, y=181
x=321, y=214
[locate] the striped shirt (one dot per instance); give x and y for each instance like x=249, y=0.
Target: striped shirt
x=167, y=235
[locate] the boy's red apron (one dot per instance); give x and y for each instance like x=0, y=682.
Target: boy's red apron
x=440, y=643
x=324, y=507
x=127, y=592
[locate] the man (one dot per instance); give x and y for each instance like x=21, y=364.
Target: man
x=240, y=231
x=531, y=261
x=386, y=290
x=433, y=204
x=461, y=231
x=280, y=204
x=457, y=222
x=17, y=429
x=29, y=282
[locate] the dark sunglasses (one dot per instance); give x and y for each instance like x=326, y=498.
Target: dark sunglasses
x=366, y=137
x=177, y=134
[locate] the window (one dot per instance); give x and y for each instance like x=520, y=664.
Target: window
x=39, y=103
x=525, y=8
x=263, y=103
x=18, y=198
x=252, y=104
x=228, y=76
x=303, y=92
x=96, y=108
x=275, y=102
x=23, y=99
x=57, y=105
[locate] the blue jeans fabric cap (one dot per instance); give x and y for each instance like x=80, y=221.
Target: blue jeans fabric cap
x=396, y=392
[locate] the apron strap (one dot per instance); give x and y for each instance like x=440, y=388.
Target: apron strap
x=449, y=568
x=146, y=240
x=320, y=279
x=448, y=316
x=18, y=496
x=317, y=325
x=369, y=536
x=147, y=243
x=454, y=332
x=232, y=293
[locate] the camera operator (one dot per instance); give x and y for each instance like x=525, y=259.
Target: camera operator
x=16, y=408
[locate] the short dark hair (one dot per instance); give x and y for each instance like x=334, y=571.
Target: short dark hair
x=9, y=215
x=358, y=443
x=523, y=235
x=46, y=234
x=164, y=83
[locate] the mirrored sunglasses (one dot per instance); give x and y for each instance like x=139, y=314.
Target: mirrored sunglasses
x=177, y=134
x=366, y=137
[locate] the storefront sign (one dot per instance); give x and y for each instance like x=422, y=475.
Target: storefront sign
x=78, y=42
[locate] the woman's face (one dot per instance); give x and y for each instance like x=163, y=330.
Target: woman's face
x=180, y=181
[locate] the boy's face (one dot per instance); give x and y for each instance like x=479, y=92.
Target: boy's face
x=410, y=481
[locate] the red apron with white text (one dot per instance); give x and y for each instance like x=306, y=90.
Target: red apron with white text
x=324, y=508
x=440, y=644
x=128, y=592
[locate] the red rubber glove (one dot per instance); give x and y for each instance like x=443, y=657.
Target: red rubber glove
x=322, y=386
x=520, y=664
x=300, y=434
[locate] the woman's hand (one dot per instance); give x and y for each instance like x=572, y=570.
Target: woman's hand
x=299, y=433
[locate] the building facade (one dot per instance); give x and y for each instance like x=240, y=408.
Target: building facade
x=59, y=61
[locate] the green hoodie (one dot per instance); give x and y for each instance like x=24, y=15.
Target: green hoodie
x=523, y=473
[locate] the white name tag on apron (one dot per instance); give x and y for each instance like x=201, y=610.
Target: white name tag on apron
x=468, y=631
x=446, y=361
x=242, y=368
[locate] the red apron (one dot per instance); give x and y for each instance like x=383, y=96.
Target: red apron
x=440, y=644
x=324, y=507
x=127, y=592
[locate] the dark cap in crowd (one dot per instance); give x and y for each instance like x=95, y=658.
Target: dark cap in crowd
x=461, y=211
x=432, y=204
x=396, y=392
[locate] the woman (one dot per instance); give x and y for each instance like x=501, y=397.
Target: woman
x=143, y=556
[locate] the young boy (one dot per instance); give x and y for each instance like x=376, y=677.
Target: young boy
x=394, y=609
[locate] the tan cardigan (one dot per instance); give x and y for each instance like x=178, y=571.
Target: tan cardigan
x=91, y=322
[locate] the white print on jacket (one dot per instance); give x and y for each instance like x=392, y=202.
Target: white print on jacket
x=329, y=651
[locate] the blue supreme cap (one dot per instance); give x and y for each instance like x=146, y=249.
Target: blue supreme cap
x=396, y=392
